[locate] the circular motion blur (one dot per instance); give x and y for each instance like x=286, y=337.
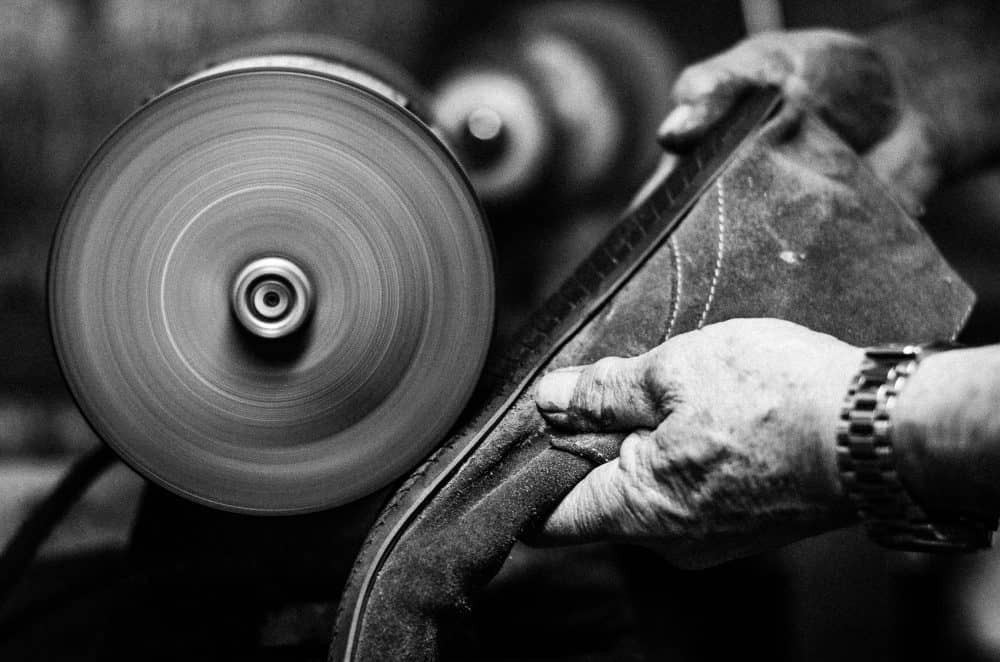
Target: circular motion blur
x=272, y=287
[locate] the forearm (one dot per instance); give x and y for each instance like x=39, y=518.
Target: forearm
x=948, y=61
x=947, y=431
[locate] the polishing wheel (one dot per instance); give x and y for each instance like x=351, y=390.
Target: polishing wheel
x=271, y=290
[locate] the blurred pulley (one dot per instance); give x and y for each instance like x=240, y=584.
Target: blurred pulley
x=272, y=288
x=559, y=103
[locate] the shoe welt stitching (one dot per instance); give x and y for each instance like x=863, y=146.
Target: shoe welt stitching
x=720, y=197
x=675, y=304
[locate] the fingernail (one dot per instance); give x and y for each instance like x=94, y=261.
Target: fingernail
x=676, y=121
x=555, y=390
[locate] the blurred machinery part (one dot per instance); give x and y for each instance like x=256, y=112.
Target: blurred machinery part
x=501, y=128
x=272, y=288
x=558, y=102
x=70, y=71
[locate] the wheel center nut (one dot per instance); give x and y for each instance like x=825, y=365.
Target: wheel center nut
x=272, y=297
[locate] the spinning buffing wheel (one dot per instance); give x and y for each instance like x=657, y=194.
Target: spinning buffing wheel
x=271, y=290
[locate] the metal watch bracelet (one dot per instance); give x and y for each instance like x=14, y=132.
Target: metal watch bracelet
x=867, y=462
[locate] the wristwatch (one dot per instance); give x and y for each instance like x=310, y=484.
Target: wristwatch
x=867, y=462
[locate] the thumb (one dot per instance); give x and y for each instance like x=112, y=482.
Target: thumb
x=696, y=113
x=706, y=91
x=612, y=394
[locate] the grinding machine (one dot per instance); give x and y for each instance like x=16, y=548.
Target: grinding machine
x=273, y=287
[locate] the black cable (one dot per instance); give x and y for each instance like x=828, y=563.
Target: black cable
x=28, y=538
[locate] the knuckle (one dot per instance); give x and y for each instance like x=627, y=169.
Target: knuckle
x=696, y=82
x=604, y=370
x=592, y=390
x=833, y=37
x=663, y=379
x=659, y=374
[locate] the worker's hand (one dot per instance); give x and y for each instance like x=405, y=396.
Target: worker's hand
x=732, y=446
x=843, y=78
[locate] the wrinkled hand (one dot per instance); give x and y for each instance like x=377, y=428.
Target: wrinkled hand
x=732, y=444
x=841, y=77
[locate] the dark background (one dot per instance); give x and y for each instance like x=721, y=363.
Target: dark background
x=71, y=70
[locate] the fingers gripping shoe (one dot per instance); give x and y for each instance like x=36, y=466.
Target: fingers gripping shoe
x=771, y=216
